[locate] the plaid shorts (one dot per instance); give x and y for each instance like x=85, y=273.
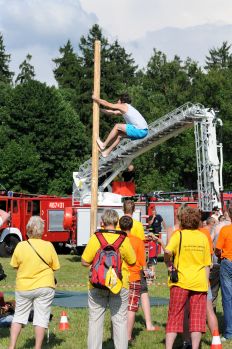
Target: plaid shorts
x=134, y=295
x=197, y=310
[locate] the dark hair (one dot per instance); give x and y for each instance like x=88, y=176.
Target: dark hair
x=190, y=218
x=128, y=207
x=125, y=223
x=125, y=98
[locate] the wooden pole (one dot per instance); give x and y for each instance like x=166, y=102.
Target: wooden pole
x=95, y=135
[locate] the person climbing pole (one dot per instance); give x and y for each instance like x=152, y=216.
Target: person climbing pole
x=135, y=128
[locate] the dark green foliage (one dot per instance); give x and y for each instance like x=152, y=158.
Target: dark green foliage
x=27, y=71
x=5, y=74
x=219, y=58
x=53, y=128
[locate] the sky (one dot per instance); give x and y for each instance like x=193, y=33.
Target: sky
x=183, y=27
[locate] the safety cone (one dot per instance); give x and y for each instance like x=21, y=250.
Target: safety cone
x=64, y=325
x=216, y=341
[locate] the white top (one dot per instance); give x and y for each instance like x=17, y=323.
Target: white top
x=1, y=221
x=133, y=117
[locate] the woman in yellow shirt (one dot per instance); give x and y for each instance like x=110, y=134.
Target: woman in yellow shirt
x=35, y=261
x=192, y=259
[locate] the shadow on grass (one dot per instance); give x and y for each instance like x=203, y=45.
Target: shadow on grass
x=53, y=342
x=74, y=259
x=140, y=319
x=5, y=332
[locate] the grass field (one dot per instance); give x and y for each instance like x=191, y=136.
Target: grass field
x=73, y=277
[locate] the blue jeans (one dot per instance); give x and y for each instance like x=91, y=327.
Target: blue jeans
x=6, y=321
x=226, y=288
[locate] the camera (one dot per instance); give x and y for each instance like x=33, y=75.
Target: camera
x=174, y=275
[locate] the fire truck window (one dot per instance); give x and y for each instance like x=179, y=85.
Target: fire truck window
x=3, y=205
x=36, y=208
x=15, y=206
x=29, y=206
x=55, y=222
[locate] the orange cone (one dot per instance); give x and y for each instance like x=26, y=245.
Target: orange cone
x=216, y=341
x=64, y=325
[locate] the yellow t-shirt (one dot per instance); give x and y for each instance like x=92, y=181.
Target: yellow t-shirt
x=194, y=257
x=32, y=271
x=126, y=250
x=138, y=230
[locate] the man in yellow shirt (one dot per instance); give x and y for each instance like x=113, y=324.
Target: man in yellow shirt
x=99, y=299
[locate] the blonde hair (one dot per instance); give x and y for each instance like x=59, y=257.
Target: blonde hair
x=35, y=227
x=110, y=217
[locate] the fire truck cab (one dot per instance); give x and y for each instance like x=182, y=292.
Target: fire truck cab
x=22, y=207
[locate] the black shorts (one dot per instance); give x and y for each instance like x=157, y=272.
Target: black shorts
x=152, y=261
x=144, y=288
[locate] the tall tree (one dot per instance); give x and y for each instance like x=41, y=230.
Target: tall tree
x=53, y=127
x=5, y=74
x=68, y=69
x=27, y=71
x=219, y=57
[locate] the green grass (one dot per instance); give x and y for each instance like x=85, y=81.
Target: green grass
x=73, y=277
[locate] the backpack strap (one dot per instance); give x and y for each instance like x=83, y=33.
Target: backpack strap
x=117, y=243
x=113, y=231
x=101, y=239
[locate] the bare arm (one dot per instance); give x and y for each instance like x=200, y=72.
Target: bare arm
x=84, y=263
x=121, y=107
x=110, y=112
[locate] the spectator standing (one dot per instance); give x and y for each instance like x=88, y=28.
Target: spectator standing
x=192, y=256
x=137, y=230
x=35, y=285
x=224, y=252
x=99, y=299
x=156, y=222
x=126, y=224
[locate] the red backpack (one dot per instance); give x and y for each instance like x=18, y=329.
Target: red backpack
x=107, y=256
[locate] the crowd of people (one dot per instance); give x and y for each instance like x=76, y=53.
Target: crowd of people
x=198, y=256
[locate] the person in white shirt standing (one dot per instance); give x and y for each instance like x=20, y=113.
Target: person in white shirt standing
x=135, y=128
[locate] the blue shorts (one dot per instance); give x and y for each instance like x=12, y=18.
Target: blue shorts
x=135, y=133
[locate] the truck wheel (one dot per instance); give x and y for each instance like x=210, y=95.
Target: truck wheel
x=8, y=245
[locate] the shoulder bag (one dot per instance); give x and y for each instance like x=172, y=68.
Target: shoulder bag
x=174, y=272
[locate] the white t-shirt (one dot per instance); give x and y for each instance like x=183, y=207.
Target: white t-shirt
x=133, y=117
x=1, y=221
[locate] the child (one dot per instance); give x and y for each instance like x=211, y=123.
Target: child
x=152, y=256
x=135, y=128
x=126, y=224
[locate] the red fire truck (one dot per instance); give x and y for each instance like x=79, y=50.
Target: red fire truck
x=22, y=207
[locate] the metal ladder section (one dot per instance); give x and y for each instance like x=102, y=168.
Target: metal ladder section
x=160, y=130
x=209, y=162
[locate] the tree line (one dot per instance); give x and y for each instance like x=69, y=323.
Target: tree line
x=46, y=132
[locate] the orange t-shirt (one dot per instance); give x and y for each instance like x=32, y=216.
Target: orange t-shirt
x=224, y=242
x=207, y=233
x=138, y=246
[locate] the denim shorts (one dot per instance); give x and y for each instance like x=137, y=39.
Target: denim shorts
x=135, y=133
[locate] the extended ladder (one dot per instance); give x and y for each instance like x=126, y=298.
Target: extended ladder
x=160, y=130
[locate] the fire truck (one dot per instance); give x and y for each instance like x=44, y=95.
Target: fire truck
x=67, y=219
x=22, y=207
